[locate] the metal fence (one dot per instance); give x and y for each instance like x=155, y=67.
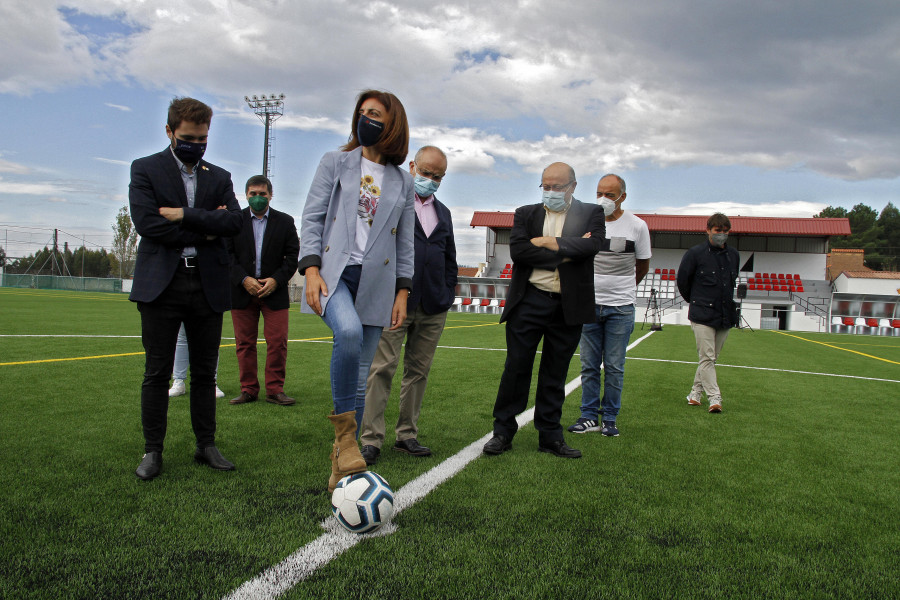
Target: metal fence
x=59, y=282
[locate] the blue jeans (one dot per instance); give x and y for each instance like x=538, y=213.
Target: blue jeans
x=181, y=357
x=354, y=346
x=605, y=342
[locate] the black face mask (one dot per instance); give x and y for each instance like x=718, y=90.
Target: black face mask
x=189, y=152
x=368, y=131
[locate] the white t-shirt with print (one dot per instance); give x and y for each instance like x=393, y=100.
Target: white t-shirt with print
x=627, y=239
x=371, y=176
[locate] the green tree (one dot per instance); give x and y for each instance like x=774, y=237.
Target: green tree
x=2, y=257
x=832, y=212
x=124, y=242
x=862, y=219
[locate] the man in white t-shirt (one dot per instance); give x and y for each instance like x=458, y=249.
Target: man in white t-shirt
x=618, y=268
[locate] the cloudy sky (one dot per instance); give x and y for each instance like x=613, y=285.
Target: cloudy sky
x=767, y=108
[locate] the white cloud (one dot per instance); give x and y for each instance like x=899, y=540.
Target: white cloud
x=113, y=161
x=118, y=107
x=11, y=167
x=733, y=209
x=608, y=84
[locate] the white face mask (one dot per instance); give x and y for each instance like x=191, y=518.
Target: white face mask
x=608, y=206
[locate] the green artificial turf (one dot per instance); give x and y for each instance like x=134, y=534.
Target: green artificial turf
x=793, y=491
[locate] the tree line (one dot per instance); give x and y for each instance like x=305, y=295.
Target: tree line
x=877, y=234
x=83, y=262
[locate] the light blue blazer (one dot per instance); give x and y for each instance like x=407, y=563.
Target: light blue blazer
x=328, y=234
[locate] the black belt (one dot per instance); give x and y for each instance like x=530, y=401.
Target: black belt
x=188, y=262
x=551, y=295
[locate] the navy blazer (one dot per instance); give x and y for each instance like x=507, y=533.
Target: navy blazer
x=435, y=273
x=576, y=276
x=156, y=182
x=280, y=249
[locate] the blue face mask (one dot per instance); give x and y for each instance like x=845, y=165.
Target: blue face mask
x=368, y=132
x=554, y=201
x=189, y=152
x=425, y=187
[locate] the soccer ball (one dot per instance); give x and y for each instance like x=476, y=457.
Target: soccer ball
x=362, y=502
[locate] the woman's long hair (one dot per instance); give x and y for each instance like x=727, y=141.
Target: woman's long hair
x=394, y=142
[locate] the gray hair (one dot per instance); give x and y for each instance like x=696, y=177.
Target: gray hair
x=621, y=181
x=424, y=149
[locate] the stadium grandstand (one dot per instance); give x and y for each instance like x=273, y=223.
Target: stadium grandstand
x=786, y=274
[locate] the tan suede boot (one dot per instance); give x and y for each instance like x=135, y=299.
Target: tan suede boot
x=345, y=456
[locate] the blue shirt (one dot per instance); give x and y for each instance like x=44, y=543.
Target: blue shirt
x=259, y=231
x=189, y=179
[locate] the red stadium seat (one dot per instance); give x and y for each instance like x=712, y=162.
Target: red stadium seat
x=872, y=322
x=784, y=288
x=752, y=286
x=768, y=287
x=849, y=321
x=781, y=276
x=796, y=276
x=758, y=276
x=503, y=302
x=765, y=276
x=657, y=271
x=485, y=301
x=467, y=301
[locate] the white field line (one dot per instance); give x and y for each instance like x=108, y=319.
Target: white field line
x=578, y=379
x=688, y=362
x=298, y=566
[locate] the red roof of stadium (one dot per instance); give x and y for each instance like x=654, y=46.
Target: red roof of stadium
x=697, y=224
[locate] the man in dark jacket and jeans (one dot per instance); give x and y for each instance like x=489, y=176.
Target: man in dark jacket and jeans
x=706, y=279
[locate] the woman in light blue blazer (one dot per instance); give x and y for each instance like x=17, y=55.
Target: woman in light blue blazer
x=356, y=244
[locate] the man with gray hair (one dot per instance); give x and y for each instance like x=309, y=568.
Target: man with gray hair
x=433, y=292
x=552, y=245
x=618, y=269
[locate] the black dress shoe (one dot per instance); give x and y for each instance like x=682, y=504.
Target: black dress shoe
x=559, y=448
x=243, y=398
x=370, y=454
x=150, y=466
x=212, y=457
x=412, y=446
x=497, y=445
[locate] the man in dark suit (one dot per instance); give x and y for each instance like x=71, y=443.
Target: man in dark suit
x=551, y=296
x=433, y=292
x=263, y=260
x=183, y=208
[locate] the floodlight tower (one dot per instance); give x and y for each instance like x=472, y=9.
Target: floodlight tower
x=267, y=108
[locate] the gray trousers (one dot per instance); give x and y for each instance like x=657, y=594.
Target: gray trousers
x=422, y=333
x=709, y=344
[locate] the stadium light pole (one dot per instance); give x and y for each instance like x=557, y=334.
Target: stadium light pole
x=268, y=109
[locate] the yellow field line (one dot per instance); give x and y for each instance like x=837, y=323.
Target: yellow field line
x=50, y=360
x=839, y=348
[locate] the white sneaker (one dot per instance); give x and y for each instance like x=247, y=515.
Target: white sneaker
x=219, y=393
x=177, y=388
x=694, y=399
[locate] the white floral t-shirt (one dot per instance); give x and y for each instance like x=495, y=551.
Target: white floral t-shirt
x=370, y=180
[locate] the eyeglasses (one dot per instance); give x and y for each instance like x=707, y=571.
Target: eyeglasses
x=432, y=176
x=555, y=188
